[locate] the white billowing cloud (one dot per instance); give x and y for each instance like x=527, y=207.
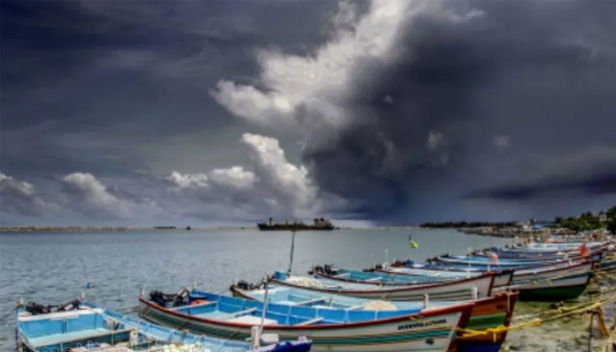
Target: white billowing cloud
x=187, y=181
x=91, y=193
x=235, y=177
x=287, y=181
x=318, y=83
x=276, y=187
x=21, y=187
x=19, y=198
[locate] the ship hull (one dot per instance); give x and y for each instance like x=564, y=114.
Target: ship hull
x=265, y=227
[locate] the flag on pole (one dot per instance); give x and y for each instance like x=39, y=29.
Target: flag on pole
x=413, y=243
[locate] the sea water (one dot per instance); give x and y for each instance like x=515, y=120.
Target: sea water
x=54, y=268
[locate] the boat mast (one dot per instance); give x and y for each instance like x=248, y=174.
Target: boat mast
x=292, y=251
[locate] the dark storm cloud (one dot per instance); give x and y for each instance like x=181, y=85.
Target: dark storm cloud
x=541, y=73
x=108, y=87
x=588, y=174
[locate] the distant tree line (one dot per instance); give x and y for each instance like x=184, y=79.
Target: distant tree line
x=589, y=221
x=464, y=224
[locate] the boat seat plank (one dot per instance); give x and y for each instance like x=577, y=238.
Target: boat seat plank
x=236, y=314
x=309, y=301
x=75, y=336
x=374, y=279
x=210, y=303
x=359, y=306
x=311, y=321
x=58, y=315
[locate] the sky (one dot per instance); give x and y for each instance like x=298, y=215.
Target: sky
x=367, y=112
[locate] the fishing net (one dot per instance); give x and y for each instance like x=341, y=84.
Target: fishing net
x=380, y=305
x=305, y=282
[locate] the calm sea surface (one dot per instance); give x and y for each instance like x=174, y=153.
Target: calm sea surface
x=51, y=268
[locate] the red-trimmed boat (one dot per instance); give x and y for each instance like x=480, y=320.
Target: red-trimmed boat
x=487, y=313
x=329, y=329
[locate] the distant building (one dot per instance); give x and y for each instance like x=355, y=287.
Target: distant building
x=602, y=217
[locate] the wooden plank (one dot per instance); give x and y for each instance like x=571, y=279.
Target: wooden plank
x=209, y=303
x=314, y=300
x=241, y=312
x=359, y=306
x=311, y=321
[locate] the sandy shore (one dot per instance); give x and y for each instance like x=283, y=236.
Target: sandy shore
x=569, y=334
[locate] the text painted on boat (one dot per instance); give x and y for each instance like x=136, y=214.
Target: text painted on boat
x=421, y=324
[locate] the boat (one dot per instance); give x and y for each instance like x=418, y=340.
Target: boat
x=500, y=264
x=547, y=250
x=561, y=289
x=328, y=328
x=458, y=290
x=501, y=278
x=320, y=224
x=543, y=273
x=439, y=268
x=561, y=281
x=487, y=313
x=82, y=326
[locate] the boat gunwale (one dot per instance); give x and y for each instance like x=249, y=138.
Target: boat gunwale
x=491, y=275
x=462, y=308
x=511, y=297
x=416, y=284
x=584, y=262
x=384, y=283
x=534, y=264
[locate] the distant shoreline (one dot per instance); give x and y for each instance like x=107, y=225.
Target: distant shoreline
x=161, y=228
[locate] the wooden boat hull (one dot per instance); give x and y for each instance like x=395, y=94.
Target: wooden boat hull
x=512, y=263
x=88, y=325
x=502, y=278
x=459, y=290
x=487, y=313
x=522, y=276
x=545, y=272
x=432, y=332
x=557, y=290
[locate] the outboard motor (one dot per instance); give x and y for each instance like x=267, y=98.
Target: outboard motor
x=181, y=298
x=243, y=285
x=73, y=305
x=158, y=298
x=35, y=308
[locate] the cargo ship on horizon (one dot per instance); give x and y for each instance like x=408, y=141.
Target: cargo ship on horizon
x=319, y=224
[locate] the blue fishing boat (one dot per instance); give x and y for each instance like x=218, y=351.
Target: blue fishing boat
x=462, y=289
x=460, y=270
x=487, y=313
x=561, y=281
x=533, y=256
x=83, y=327
x=327, y=271
x=329, y=329
x=488, y=262
x=547, y=250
